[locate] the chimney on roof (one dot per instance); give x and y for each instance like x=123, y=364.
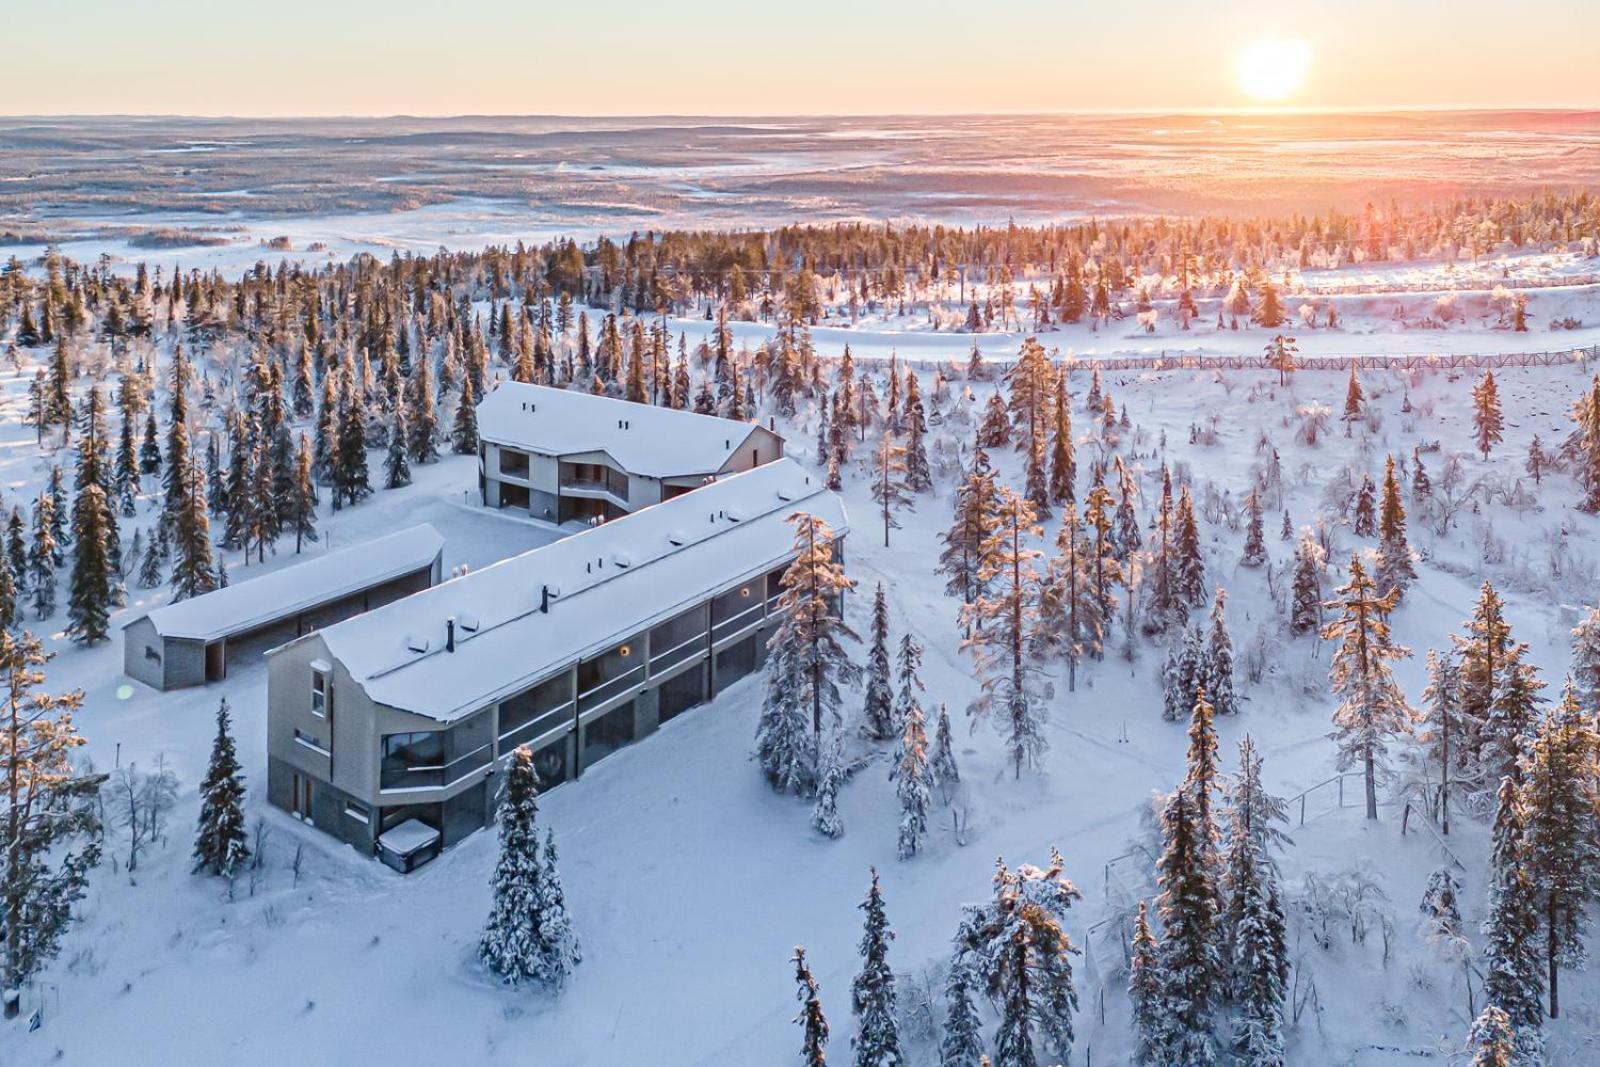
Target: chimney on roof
x=450, y=634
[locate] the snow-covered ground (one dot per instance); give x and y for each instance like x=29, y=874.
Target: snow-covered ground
x=690, y=881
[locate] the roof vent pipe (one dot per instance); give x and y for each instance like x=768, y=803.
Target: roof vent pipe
x=450, y=634
x=544, y=599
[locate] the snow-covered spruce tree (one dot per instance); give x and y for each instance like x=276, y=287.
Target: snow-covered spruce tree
x=193, y=572
x=1586, y=661
x=351, y=483
x=811, y=1020
x=1190, y=962
x=786, y=744
x=93, y=591
x=995, y=430
x=1506, y=735
x=1164, y=608
x=1071, y=622
x=1394, y=569
x=962, y=1042
x=872, y=994
x=813, y=590
x=49, y=823
x=1305, y=608
x=518, y=945
x=1255, y=545
x=1511, y=979
x=1151, y=1021
x=1365, y=518
x=1190, y=577
x=301, y=514
x=1487, y=423
x=961, y=560
x=877, y=709
x=1063, y=463
x=908, y=665
x=1012, y=694
x=221, y=841
x=1353, y=398
x=422, y=422
x=889, y=488
x=562, y=953
x=919, y=479
x=1372, y=710
x=944, y=771
x=1017, y=946
x=1493, y=1040
x=155, y=556
x=1105, y=570
x=10, y=602
x=1217, y=673
x=1031, y=382
x=1183, y=675
x=1253, y=919
x=913, y=778
x=464, y=432
x=1127, y=539
x=42, y=559
x=1562, y=842
x=397, y=464
x=825, y=817
x=1481, y=653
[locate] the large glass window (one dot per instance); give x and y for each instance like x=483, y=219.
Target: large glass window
x=679, y=694
x=513, y=463
x=608, y=733
x=678, y=639
x=537, y=711
x=412, y=761
x=551, y=763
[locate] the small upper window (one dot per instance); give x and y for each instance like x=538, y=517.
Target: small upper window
x=319, y=693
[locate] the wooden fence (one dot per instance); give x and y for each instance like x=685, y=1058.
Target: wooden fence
x=1176, y=362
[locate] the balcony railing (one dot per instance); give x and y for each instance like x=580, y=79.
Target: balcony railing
x=737, y=624
x=547, y=722
x=436, y=776
x=610, y=690
x=679, y=653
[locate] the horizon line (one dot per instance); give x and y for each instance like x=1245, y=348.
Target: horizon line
x=1287, y=110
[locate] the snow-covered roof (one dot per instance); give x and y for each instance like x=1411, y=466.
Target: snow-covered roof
x=644, y=439
x=604, y=584
x=319, y=580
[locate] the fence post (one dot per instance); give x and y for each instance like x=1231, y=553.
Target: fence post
x=1302, y=809
x=1341, y=790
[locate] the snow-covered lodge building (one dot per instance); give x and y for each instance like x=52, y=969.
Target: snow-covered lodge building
x=193, y=641
x=387, y=730
x=562, y=455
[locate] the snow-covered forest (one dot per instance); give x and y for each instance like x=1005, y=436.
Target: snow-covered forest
x=1163, y=716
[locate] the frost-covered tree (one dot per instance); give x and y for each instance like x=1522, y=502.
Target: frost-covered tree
x=872, y=994
x=1011, y=692
x=962, y=1043
x=1506, y=735
x=1217, y=675
x=1372, y=710
x=913, y=777
x=92, y=583
x=1152, y=1029
x=811, y=1020
x=961, y=560
x=464, y=431
x=918, y=478
x=42, y=558
x=995, y=430
x=1190, y=959
x=528, y=937
x=1586, y=662
x=1063, y=463
x=193, y=571
x=1071, y=619
x=1255, y=545
x=1165, y=608
x=1562, y=840
x=1365, y=521
x=397, y=463
x=889, y=487
x=1017, y=945
x=877, y=711
x=1487, y=423
x=942, y=766
x=1512, y=980
x=49, y=823
x=1190, y=575
x=1253, y=919
x=1395, y=569
x=1493, y=1040
x=300, y=514
x=221, y=841
x=825, y=817
x=1183, y=675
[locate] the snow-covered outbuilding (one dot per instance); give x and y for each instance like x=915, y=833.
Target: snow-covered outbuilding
x=563, y=456
x=193, y=641
x=402, y=715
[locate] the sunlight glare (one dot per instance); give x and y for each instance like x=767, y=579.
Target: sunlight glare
x=1272, y=68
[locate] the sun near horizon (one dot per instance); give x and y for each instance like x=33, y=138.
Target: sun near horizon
x=1271, y=70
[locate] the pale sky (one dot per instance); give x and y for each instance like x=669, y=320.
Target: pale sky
x=755, y=57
